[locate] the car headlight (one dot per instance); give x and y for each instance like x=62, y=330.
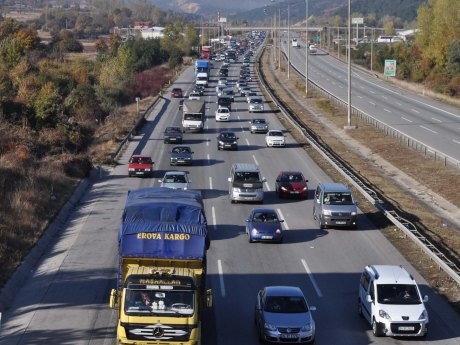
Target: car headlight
x=423, y=315
x=304, y=188
x=235, y=142
x=254, y=231
x=284, y=188
x=237, y=190
x=147, y=169
x=353, y=213
x=306, y=328
x=269, y=327
x=278, y=231
x=221, y=142
x=327, y=212
x=131, y=169
x=384, y=315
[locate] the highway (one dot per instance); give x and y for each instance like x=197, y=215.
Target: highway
x=65, y=298
x=431, y=122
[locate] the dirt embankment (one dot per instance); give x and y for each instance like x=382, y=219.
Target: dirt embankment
x=370, y=153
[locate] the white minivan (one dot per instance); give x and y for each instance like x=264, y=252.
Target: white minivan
x=390, y=300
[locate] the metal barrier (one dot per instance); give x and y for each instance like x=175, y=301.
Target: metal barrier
x=408, y=228
x=132, y=132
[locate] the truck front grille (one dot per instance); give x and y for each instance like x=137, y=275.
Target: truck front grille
x=172, y=333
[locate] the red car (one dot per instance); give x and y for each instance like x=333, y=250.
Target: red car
x=291, y=184
x=140, y=165
x=176, y=92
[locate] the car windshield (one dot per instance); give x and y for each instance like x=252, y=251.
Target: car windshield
x=257, y=101
x=258, y=121
x=223, y=110
x=174, y=179
x=265, y=217
x=173, y=129
x=249, y=177
x=275, y=134
x=228, y=135
x=285, y=304
x=398, y=294
x=338, y=199
x=291, y=178
x=141, y=160
x=181, y=150
x=149, y=302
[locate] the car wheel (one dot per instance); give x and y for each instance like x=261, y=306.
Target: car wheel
x=165, y=141
x=250, y=239
x=280, y=240
x=376, y=328
x=320, y=224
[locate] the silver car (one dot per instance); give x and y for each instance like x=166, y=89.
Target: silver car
x=258, y=126
x=282, y=315
x=175, y=180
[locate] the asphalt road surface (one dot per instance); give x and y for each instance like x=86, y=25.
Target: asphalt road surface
x=431, y=122
x=65, y=298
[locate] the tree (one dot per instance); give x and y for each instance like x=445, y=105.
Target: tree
x=11, y=50
x=48, y=105
x=453, y=58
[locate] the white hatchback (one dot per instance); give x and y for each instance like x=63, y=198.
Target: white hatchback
x=223, y=114
x=275, y=137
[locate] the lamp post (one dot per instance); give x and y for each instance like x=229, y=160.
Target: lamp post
x=306, y=47
x=279, y=36
x=289, y=41
x=349, y=63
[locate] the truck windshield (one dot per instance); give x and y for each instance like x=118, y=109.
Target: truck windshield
x=153, y=302
x=193, y=117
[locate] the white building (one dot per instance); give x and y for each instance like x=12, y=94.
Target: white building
x=153, y=32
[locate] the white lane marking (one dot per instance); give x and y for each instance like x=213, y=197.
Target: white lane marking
x=247, y=141
x=362, y=87
x=207, y=142
x=456, y=141
x=371, y=91
x=384, y=97
x=360, y=97
x=221, y=278
x=214, y=219
x=415, y=111
x=238, y=117
x=267, y=186
x=435, y=119
x=429, y=130
x=210, y=182
x=372, y=103
x=388, y=111
x=405, y=119
x=209, y=159
x=255, y=160
x=286, y=226
x=312, y=279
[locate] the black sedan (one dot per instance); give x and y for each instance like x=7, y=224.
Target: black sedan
x=227, y=141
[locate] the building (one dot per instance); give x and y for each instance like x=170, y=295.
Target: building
x=153, y=32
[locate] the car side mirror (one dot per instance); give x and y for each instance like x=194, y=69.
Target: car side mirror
x=312, y=308
x=209, y=298
x=306, y=180
x=369, y=298
x=113, y=299
x=277, y=180
x=425, y=299
x=264, y=179
x=281, y=220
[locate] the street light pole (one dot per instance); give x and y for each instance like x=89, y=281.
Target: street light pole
x=279, y=36
x=306, y=47
x=349, y=63
x=289, y=41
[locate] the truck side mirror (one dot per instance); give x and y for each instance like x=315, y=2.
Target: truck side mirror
x=113, y=299
x=209, y=298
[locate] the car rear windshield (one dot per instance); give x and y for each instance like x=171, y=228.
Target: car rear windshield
x=285, y=304
x=256, y=101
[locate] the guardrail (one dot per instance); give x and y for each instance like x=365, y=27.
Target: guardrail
x=390, y=131
x=132, y=132
x=408, y=228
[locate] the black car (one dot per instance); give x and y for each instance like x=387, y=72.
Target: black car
x=172, y=134
x=227, y=141
x=199, y=89
x=225, y=101
x=223, y=72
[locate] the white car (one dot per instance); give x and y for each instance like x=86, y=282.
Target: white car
x=194, y=95
x=390, y=301
x=222, y=82
x=175, y=180
x=275, y=137
x=223, y=114
x=312, y=49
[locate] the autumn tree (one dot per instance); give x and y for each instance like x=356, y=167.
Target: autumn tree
x=48, y=105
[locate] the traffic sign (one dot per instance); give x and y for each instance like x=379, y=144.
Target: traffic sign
x=390, y=68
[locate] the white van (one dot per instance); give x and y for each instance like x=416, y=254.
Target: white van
x=390, y=300
x=245, y=183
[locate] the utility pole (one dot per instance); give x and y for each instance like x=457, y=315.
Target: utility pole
x=349, y=63
x=279, y=35
x=306, y=47
x=289, y=41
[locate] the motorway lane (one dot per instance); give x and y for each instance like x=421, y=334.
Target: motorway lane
x=429, y=121
x=66, y=299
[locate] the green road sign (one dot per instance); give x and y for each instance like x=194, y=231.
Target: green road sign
x=390, y=68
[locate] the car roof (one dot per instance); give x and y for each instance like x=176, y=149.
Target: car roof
x=140, y=156
x=390, y=274
x=227, y=132
x=264, y=210
x=175, y=172
x=283, y=291
x=335, y=187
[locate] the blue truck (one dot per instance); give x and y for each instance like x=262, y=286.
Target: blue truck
x=202, y=66
x=160, y=295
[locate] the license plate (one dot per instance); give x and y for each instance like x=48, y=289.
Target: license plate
x=341, y=222
x=139, y=172
x=294, y=192
x=289, y=336
x=268, y=238
x=406, y=328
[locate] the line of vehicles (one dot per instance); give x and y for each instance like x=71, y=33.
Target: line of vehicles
x=161, y=295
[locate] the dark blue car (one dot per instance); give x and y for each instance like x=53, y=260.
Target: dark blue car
x=263, y=225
